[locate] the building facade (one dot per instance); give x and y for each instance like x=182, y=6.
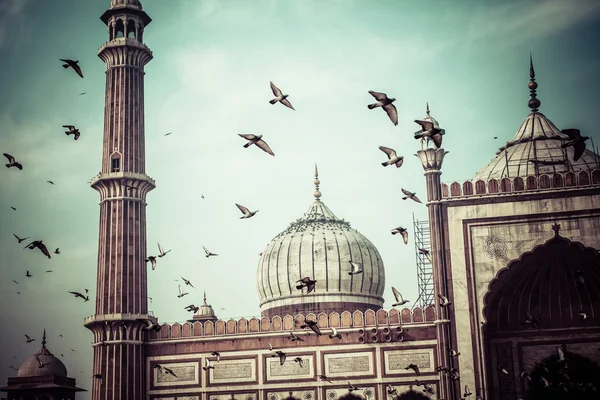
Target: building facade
x=513, y=251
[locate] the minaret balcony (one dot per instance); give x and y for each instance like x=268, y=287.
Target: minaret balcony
x=123, y=41
x=91, y=320
x=123, y=175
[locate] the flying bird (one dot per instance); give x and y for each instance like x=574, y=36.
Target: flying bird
x=467, y=391
x=324, y=378
x=167, y=134
x=161, y=251
x=152, y=259
x=77, y=294
x=392, y=391
x=208, y=253
x=429, y=131
x=444, y=301
x=385, y=102
x=158, y=367
x=181, y=294
x=257, y=140
x=351, y=387
x=281, y=356
x=295, y=338
x=312, y=325
x=82, y=93
x=401, y=231
x=561, y=354
x=57, y=251
x=207, y=365
x=150, y=326
x=299, y=361
x=409, y=195
x=426, y=253
x=12, y=162
x=503, y=370
x=280, y=97
x=72, y=64
x=576, y=141
x=414, y=367
x=393, y=158
x=16, y=282
x=29, y=340
x=50, y=182
x=28, y=274
x=334, y=334
x=20, y=239
x=187, y=282
x=247, y=213
x=399, y=299
x=583, y=316
x=49, y=270
x=169, y=371
x=13, y=208
x=531, y=321
x=193, y=308
x=307, y=283
x=357, y=268
x=40, y=363
x=454, y=353
x=216, y=354
x=72, y=131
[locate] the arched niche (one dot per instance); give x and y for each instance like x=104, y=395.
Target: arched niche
x=351, y=396
x=412, y=395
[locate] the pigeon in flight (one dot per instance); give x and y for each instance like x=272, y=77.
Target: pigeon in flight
x=247, y=213
x=430, y=131
x=216, y=354
x=77, y=294
x=386, y=103
x=503, y=370
x=575, y=140
x=357, y=268
x=454, y=353
x=82, y=93
x=150, y=326
x=187, y=282
x=167, y=134
x=392, y=391
x=324, y=378
x=169, y=371
x=351, y=387
x=393, y=158
x=152, y=259
x=208, y=253
x=467, y=391
x=74, y=65
x=72, y=131
x=57, y=251
x=29, y=340
x=257, y=140
x=28, y=274
x=207, y=365
x=295, y=338
x=583, y=316
x=12, y=162
x=299, y=361
x=161, y=251
x=49, y=270
x=399, y=299
x=281, y=356
x=426, y=253
x=50, y=182
x=13, y=208
x=531, y=321
x=307, y=283
x=16, y=282
x=334, y=334
x=401, y=231
x=181, y=294
x=409, y=195
x=414, y=367
x=312, y=325
x=444, y=301
x=193, y=308
x=20, y=239
x=280, y=97
x=40, y=363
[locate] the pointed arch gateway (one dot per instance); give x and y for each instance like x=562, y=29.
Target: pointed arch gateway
x=555, y=283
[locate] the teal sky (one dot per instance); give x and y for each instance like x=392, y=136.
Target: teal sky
x=209, y=81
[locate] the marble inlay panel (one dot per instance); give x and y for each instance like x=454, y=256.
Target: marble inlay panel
x=185, y=374
x=233, y=371
x=289, y=369
x=352, y=364
x=396, y=361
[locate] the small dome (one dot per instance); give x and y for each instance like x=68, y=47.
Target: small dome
x=205, y=312
x=125, y=3
x=51, y=365
x=320, y=246
x=536, y=150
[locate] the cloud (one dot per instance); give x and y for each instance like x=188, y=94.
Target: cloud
x=11, y=12
x=516, y=23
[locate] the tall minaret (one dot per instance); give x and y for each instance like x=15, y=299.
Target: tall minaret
x=121, y=290
x=431, y=160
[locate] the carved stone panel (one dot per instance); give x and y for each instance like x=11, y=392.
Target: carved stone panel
x=350, y=364
x=179, y=398
x=185, y=373
x=233, y=371
x=232, y=396
x=290, y=369
x=298, y=393
x=396, y=361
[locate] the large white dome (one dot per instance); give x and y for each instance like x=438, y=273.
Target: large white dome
x=320, y=246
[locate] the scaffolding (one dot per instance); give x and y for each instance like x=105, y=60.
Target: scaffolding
x=424, y=267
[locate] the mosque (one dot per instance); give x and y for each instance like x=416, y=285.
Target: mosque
x=513, y=250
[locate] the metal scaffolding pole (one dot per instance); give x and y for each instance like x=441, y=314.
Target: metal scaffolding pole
x=424, y=267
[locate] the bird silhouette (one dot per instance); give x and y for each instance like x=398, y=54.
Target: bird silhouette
x=181, y=294
x=28, y=274
x=169, y=371
x=401, y=231
x=414, y=367
x=12, y=162
x=72, y=131
x=72, y=64
x=426, y=253
x=57, y=251
x=77, y=294
x=399, y=299
x=256, y=140
x=50, y=182
x=357, y=268
x=393, y=158
x=295, y=338
x=531, y=321
x=20, y=239
x=150, y=326
x=429, y=131
x=312, y=325
x=280, y=97
x=161, y=252
x=281, y=356
x=352, y=387
x=216, y=354
x=576, y=141
x=409, y=195
x=14, y=209
x=193, y=308
x=299, y=361
x=152, y=260
x=325, y=378
x=334, y=334
x=247, y=213
x=187, y=282
x=208, y=253
x=385, y=102
x=207, y=365
x=29, y=339
x=307, y=283
x=444, y=301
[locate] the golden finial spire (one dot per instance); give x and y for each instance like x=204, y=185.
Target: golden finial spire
x=317, y=182
x=44, y=338
x=534, y=103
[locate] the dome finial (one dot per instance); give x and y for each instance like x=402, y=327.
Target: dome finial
x=317, y=182
x=427, y=108
x=44, y=339
x=534, y=103
x=205, y=297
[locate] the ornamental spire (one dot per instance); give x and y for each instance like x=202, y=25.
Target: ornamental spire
x=44, y=339
x=317, y=182
x=534, y=103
